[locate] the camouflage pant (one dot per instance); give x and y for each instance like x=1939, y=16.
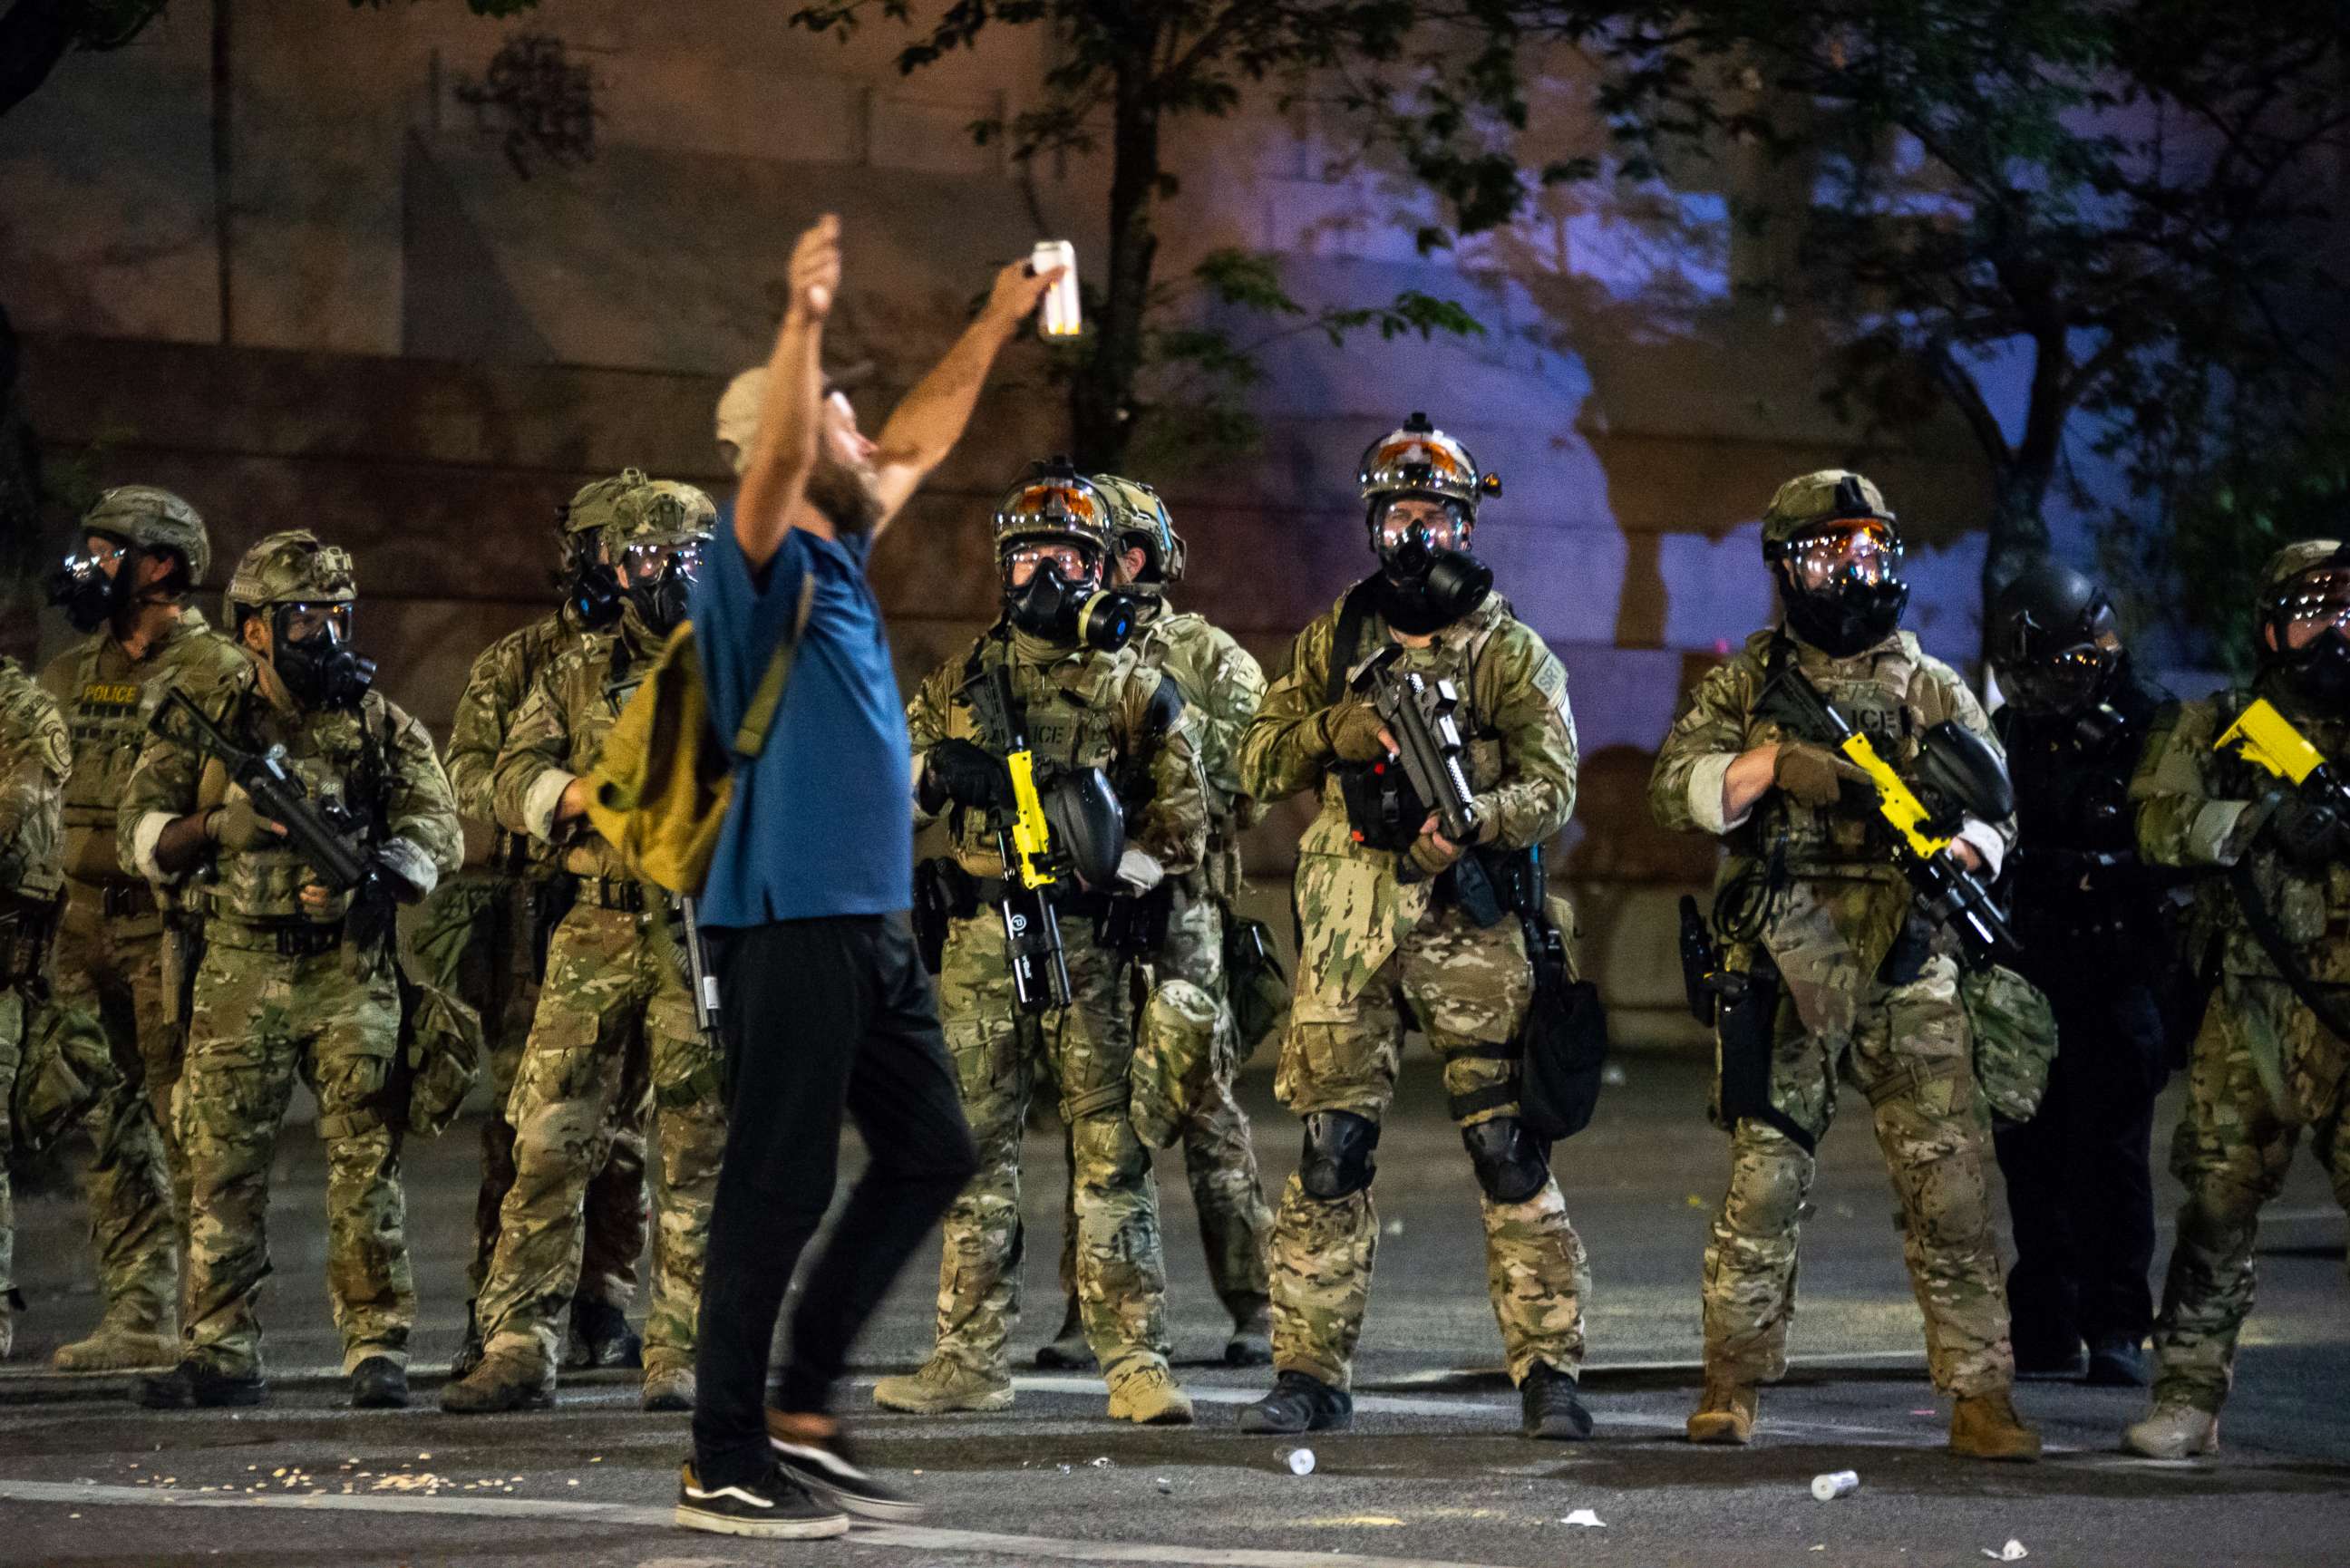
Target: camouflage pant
x=1468, y=990
x=1084, y=1051
x=14, y=1017
x=2231, y=1151
x=1218, y=1156
x=614, y=1032
x=476, y=938
x=1909, y=1054
x=138, y=1181
x=259, y=1020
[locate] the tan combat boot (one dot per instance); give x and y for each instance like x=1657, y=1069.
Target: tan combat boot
x=2174, y=1429
x=939, y=1385
x=1149, y=1396
x=669, y=1385
x=505, y=1380
x=1726, y=1414
x=123, y=1340
x=1986, y=1426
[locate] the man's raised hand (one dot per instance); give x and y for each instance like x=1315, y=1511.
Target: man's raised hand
x=816, y=268
x=1017, y=290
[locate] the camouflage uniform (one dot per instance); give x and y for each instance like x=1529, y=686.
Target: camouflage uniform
x=1083, y=708
x=2263, y=1067
x=614, y=1035
x=110, y=960
x=34, y=760
x=1837, y=908
x=482, y=938
x=1222, y=686
x=1378, y=953
x=279, y=993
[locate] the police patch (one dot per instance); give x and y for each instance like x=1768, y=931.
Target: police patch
x=113, y=697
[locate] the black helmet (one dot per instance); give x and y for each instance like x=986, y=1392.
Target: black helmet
x=2053, y=639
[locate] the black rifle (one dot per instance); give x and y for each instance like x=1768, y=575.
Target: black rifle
x=1033, y=876
x=1961, y=773
x=1418, y=713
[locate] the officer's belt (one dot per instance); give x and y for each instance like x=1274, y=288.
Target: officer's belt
x=607, y=892
x=1080, y=902
x=287, y=939
x=121, y=900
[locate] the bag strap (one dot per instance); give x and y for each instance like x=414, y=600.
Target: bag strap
x=1352, y=612
x=751, y=735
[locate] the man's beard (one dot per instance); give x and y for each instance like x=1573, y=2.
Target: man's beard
x=850, y=498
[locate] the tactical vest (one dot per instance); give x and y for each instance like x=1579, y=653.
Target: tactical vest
x=1884, y=696
x=2311, y=912
x=341, y=757
x=103, y=695
x=1069, y=710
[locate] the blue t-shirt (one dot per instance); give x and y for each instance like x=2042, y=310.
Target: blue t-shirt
x=822, y=820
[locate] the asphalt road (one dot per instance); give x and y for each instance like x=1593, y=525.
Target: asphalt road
x=1432, y=1473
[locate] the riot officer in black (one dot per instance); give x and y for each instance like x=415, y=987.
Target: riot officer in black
x=2098, y=939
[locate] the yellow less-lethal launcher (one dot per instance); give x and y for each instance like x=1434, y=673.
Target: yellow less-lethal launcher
x=1961, y=774
x=2268, y=739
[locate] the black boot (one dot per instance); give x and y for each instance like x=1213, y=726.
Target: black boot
x=196, y=1385
x=1551, y=1406
x=2117, y=1361
x=601, y=1336
x=469, y=1349
x=1299, y=1402
x=379, y=1384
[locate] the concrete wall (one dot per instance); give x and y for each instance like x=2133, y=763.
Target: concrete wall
x=427, y=350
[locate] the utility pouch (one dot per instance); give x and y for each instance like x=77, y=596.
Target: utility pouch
x=1137, y=923
x=26, y=925
x=1745, y=1035
x=1383, y=811
x=1565, y=1055
x=943, y=891
x=1258, y=989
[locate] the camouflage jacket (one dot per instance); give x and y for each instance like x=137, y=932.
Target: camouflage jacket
x=1516, y=728
x=496, y=690
x=1843, y=901
x=2194, y=811
x=107, y=698
x=1083, y=708
x=556, y=735
x=36, y=760
x=1222, y=686
x=375, y=758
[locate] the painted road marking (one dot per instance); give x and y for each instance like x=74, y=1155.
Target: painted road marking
x=912, y=1537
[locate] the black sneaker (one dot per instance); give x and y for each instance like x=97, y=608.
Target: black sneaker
x=2118, y=1362
x=774, y=1508
x=1299, y=1402
x=196, y=1385
x=832, y=1470
x=379, y=1384
x=1551, y=1406
x=600, y=1338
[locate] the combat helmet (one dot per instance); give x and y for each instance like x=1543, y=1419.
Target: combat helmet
x=1836, y=549
x=1139, y=518
x=292, y=575
x=1053, y=501
x=1418, y=459
x=2308, y=581
x=153, y=519
x=292, y=566
x=2053, y=638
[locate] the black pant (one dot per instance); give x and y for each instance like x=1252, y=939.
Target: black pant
x=2080, y=1179
x=818, y=1016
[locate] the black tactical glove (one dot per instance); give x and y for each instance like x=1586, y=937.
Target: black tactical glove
x=2308, y=832
x=369, y=924
x=960, y=771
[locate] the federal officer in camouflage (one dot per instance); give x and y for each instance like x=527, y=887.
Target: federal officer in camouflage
x=143, y=552
x=1084, y=707
x=1189, y=1014
x=1869, y=990
x=486, y=937
x=1386, y=945
x=2267, y=1062
x=34, y=760
x=614, y=1031
x=295, y=978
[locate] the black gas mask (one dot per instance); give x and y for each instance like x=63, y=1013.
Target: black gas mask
x=1842, y=584
x=1052, y=607
x=83, y=589
x=661, y=584
x=591, y=588
x=1425, y=582
x=310, y=645
x=2319, y=671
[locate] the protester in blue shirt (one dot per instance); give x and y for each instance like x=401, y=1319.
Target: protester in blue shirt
x=823, y=1004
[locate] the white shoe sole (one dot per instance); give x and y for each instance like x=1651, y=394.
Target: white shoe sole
x=691, y=1517
x=811, y=1474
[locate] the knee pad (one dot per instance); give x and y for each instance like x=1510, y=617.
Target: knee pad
x=1337, y=1161
x=1510, y=1163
